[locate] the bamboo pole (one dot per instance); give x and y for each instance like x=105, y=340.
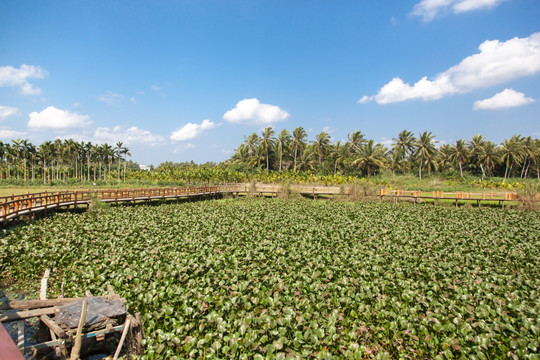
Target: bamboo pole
x=122, y=339
x=78, y=338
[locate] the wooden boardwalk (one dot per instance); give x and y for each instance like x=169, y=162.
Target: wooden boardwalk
x=14, y=206
x=456, y=197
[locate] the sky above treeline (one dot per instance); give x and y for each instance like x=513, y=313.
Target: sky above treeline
x=187, y=80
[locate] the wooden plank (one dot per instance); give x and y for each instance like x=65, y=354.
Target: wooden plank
x=44, y=280
x=35, y=304
x=58, y=342
x=25, y=314
x=55, y=328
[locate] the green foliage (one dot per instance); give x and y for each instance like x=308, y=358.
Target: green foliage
x=96, y=204
x=272, y=278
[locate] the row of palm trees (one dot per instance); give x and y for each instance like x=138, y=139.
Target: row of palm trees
x=515, y=157
x=62, y=160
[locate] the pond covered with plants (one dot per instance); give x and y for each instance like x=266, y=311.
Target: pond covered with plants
x=269, y=278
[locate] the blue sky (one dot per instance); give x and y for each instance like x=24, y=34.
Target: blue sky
x=187, y=80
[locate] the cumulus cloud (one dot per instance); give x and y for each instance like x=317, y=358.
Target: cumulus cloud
x=53, y=118
x=191, y=130
x=251, y=111
x=429, y=9
x=496, y=63
x=11, y=76
x=6, y=111
x=508, y=98
x=8, y=134
x=110, y=97
x=131, y=135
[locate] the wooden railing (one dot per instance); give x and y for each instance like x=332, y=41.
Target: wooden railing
x=16, y=205
x=478, y=197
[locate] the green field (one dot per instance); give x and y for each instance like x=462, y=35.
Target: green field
x=270, y=278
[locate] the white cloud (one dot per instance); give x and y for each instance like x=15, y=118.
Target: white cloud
x=507, y=98
x=8, y=134
x=155, y=88
x=496, y=63
x=131, y=135
x=53, y=118
x=328, y=130
x=191, y=130
x=251, y=111
x=6, y=111
x=471, y=5
x=10, y=76
x=110, y=97
x=183, y=148
x=429, y=9
x=133, y=100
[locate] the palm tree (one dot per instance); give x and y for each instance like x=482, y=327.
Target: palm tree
x=46, y=150
x=2, y=156
x=339, y=154
x=298, y=142
x=459, y=154
x=371, y=156
x=267, y=143
x=88, y=151
x=322, y=142
x=356, y=141
x=529, y=155
x=444, y=157
x=33, y=155
x=126, y=153
x=403, y=146
x=490, y=157
x=58, y=150
x=118, y=152
x=284, y=138
x=511, y=153
x=476, y=147
x=425, y=151
x=307, y=161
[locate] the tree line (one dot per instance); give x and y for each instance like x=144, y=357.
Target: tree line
x=62, y=160
x=515, y=157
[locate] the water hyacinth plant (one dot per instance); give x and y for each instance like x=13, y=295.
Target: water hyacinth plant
x=300, y=279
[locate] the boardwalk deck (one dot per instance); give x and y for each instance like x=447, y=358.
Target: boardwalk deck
x=14, y=206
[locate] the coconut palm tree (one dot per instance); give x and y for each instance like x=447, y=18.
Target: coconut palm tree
x=459, y=154
x=284, y=139
x=126, y=153
x=322, y=143
x=529, y=154
x=339, y=153
x=476, y=147
x=403, y=147
x=511, y=153
x=307, y=161
x=118, y=152
x=490, y=157
x=356, y=141
x=425, y=152
x=371, y=157
x=267, y=143
x=298, y=142
x=46, y=150
x=444, y=157
x=2, y=158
